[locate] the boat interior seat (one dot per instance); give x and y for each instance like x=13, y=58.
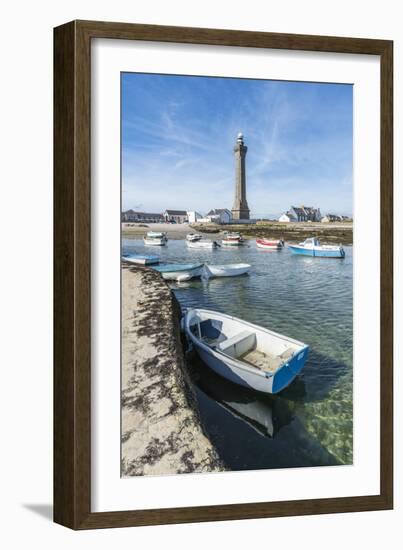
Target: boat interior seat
x=238, y=344
x=210, y=331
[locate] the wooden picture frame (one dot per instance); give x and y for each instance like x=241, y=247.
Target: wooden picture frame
x=72, y=273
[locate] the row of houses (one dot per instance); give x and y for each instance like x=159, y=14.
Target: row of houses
x=224, y=216
x=309, y=214
x=301, y=214
x=217, y=215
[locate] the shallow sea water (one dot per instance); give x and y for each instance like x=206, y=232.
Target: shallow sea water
x=311, y=299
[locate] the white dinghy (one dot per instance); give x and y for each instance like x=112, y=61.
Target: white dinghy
x=179, y=272
x=226, y=270
x=141, y=259
x=202, y=244
x=244, y=353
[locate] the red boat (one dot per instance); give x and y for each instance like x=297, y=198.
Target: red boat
x=270, y=244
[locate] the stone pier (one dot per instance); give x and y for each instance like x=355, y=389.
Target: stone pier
x=161, y=428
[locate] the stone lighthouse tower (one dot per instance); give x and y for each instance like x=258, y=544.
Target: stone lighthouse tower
x=240, y=210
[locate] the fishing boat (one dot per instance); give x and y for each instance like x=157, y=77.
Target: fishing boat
x=179, y=272
x=226, y=270
x=202, y=244
x=141, y=259
x=312, y=247
x=154, y=238
x=270, y=244
x=246, y=354
x=233, y=239
x=193, y=237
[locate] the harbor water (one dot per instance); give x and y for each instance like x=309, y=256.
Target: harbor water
x=310, y=299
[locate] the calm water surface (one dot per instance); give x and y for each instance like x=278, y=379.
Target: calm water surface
x=310, y=299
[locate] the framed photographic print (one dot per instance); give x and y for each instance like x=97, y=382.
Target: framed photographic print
x=223, y=275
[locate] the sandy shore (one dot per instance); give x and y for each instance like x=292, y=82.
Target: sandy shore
x=173, y=230
x=331, y=233
x=161, y=430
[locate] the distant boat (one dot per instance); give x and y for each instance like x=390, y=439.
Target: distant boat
x=180, y=272
x=243, y=353
x=142, y=259
x=233, y=239
x=312, y=247
x=226, y=270
x=193, y=237
x=202, y=244
x=154, y=238
x=270, y=244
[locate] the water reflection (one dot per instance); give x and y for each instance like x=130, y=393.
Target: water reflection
x=309, y=299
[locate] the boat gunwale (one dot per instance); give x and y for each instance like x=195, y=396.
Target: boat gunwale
x=236, y=362
x=185, y=267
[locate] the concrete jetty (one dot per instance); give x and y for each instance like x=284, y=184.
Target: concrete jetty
x=161, y=429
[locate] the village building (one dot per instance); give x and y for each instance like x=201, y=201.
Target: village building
x=287, y=218
x=176, y=216
x=301, y=214
x=219, y=215
x=329, y=218
x=149, y=217
x=194, y=217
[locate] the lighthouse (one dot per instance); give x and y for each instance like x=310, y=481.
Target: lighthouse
x=240, y=210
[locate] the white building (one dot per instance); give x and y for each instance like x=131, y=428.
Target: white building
x=176, y=216
x=286, y=218
x=194, y=216
x=220, y=215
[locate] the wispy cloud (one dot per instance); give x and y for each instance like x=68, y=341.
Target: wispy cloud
x=178, y=134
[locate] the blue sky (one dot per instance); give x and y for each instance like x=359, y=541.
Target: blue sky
x=178, y=134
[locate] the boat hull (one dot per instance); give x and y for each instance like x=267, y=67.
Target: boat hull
x=274, y=245
x=141, y=260
x=227, y=270
x=179, y=274
x=337, y=252
x=155, y=242
x=202, y=245
x=242, y=374
x=231, y=243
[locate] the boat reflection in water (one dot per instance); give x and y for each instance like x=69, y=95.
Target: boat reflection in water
x=252, y=430
x=266, y=414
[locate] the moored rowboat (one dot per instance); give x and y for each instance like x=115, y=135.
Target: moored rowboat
x=179, y=272
x=141, y=259
x=270, y=244
x=201, y=244
x=226, y=270
x=244, y=353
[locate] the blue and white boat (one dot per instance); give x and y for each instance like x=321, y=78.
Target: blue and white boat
x=244, y=353
x=312, y=247
x=141, y=259
x=180, y=272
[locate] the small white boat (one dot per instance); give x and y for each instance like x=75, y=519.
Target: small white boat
x=180, y=272
x=201, y=244
x=243, y=353
x=232, y=239
x=312, y=247
x=270, y=244
x=154, y=238
x=226, y=270
x=141, y=259
x=193, y=237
